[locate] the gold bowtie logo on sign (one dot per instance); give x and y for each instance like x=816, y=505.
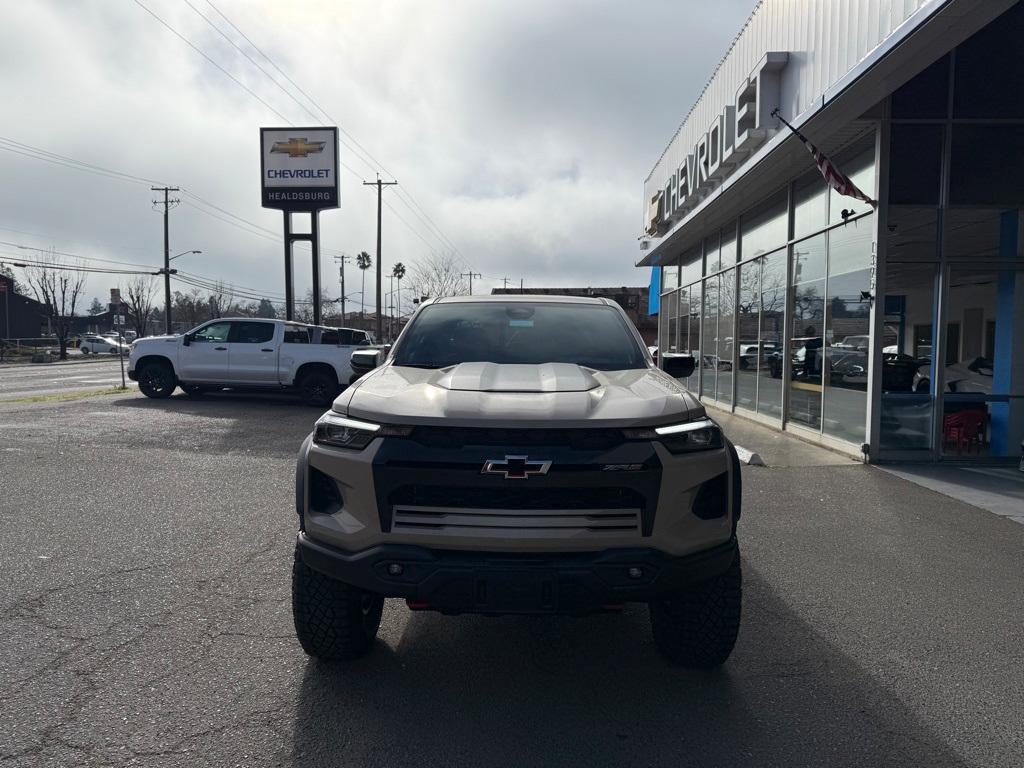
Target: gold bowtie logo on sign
x=295, y=147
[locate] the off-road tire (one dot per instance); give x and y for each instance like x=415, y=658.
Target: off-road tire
x=334, y=621
x=157, y=379
x=193, y=390
x=318, y=388
x=697, y=627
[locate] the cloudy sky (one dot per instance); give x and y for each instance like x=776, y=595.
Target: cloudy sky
x=520, y=132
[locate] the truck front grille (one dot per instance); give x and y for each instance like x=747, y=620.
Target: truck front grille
x=460, y=437
x=543, y=512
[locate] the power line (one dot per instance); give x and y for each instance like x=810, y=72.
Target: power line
x=250, y=59
x=198, y=50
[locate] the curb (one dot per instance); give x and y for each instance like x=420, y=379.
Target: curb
x=749, y=458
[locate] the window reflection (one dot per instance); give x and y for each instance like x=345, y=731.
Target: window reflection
x=709, y=347
x=770, y=340
x=748, y=321
x=726, y=308
x=906, y=420
x=807, y=310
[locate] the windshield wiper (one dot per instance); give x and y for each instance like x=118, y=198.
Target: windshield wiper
x=423, y=365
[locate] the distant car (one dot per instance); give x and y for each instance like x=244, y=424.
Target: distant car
x=751, y=354
x=95, y=345
x=854, y=342
x=974, y=377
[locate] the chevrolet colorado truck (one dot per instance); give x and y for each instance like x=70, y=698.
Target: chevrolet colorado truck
x=519, y=455
x=248, y=353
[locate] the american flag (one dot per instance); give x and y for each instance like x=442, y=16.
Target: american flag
x=835, y=178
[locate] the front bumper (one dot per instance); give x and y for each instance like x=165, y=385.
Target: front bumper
x=505, y=583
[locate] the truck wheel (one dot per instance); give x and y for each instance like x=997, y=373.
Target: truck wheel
x=318, y=388
x=697, y=627
x=333, y=620
x=85, y=350
x=156, y=379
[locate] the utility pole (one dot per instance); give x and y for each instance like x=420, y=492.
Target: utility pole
x=380, y=192
x=341, y=274
x=504, y=283
x=471, y=274
x=521, y=285
x=166, y=271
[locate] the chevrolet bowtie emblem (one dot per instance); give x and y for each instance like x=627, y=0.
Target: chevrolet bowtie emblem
x=297, y=147
x=515, y=467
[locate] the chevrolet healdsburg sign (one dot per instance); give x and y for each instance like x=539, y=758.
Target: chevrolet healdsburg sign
x=731, y=138
x=299, y=168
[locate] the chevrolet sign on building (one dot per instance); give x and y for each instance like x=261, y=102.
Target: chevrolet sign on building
x=299, y=168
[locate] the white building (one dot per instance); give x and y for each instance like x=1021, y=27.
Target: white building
x=895, y=328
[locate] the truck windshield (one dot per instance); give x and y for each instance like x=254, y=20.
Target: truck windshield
x=590, y=335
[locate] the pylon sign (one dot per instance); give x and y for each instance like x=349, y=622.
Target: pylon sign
x=299, y=168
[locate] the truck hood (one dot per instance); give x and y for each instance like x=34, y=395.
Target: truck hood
x=526, y=396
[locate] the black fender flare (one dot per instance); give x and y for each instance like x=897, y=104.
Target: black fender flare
x=301, y=465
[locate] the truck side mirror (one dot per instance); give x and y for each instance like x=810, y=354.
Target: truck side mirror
x=186, y=339
x=364, y=360
x=676, y=365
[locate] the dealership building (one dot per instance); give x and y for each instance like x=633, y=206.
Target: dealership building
x=892, y=328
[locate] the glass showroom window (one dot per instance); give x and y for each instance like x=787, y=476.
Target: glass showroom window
x=847, y=335
x=907, y=373
x=765, y=228
x=726, y=333
x=807, y=312
x=670, y=310
x=712, y=256
x=693, y=331
x=709, y=347
x=748, y=320
x=771, y=338
x=727, y=250
x=686, y=340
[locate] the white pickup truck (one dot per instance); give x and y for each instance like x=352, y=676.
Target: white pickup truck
x=248, y=353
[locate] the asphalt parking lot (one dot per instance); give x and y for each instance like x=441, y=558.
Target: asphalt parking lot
x=145, y=620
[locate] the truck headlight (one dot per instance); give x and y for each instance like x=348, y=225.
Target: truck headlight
x=342, y=432
x=703, y=435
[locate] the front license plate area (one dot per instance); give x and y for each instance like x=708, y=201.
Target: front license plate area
x=516, y=591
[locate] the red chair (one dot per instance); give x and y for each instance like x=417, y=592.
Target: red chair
x=964, y=429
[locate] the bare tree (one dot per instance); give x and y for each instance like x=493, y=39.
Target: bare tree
x=220, y=300
x=190, y=308
x=58, y=287
x=304, y=309
x=139, y=293
x=436, y=277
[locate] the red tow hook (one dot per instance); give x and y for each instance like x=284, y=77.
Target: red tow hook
x=417, y=605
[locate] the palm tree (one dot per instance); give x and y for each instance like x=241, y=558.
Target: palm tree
x=364, y=262
x=399, y=272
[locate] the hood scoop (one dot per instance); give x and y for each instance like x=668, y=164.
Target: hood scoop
x=492, y=377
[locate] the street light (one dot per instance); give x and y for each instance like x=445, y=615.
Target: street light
x=167, y=272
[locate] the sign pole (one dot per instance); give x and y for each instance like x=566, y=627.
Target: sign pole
x=289, y=289
x=120, y=347
x=314, y=232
